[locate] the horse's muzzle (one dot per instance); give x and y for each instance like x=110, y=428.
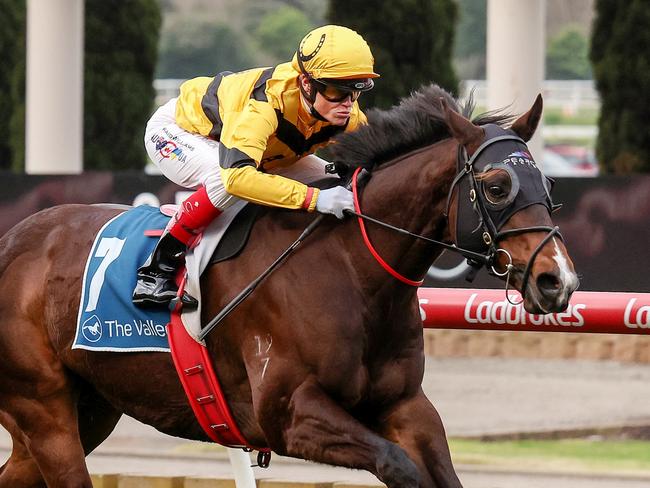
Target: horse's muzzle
x=550, y=292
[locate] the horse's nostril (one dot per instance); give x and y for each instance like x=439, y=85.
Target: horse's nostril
x=548, y=284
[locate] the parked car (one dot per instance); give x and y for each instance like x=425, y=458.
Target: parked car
x=581, y=160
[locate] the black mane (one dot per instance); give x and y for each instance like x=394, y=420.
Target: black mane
x=415, y=123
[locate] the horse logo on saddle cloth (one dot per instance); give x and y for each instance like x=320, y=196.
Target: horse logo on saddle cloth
x=108, y=320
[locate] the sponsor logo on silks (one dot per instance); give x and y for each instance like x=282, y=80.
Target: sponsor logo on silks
x=520, y=157
x=177, y=141
x=168, y=149
x=92, y=329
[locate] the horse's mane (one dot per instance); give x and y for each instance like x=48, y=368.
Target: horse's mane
x=415, y=123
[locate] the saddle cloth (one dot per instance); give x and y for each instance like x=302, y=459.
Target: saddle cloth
x=107, y=319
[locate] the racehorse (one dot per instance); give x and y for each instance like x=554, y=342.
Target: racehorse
x=324, y=361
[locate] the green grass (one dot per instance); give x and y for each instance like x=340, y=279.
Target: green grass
x=575, y=141
x=562, y=455
x=583, y=116
x=558, y=116
x=570, y=455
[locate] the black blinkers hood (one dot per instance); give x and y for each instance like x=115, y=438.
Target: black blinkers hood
x=477, y=222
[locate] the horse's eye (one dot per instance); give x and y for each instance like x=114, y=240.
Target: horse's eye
x=497, y=185
x=495, y=193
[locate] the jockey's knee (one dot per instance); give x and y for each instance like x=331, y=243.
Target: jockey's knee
x=219, y=197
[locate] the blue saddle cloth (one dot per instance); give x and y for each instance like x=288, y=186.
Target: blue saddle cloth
x=108, y=320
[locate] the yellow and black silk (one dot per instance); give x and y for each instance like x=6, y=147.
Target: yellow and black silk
x=261, y=124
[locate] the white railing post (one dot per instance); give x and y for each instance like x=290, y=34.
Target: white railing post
x=241, y=468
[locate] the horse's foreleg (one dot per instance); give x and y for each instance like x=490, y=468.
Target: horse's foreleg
x=20, y=470
x=96, y=420
x=415, y=425
x=50, y=431
x=39, y=409
x=320, y=430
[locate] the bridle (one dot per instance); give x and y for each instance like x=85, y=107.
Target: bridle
x=480, y=253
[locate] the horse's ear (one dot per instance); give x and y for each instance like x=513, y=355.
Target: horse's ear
x=461, y=128
x=526, y=125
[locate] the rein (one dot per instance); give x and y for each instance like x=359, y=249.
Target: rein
x=367, y=242
x=234, y=303
x=481, y=258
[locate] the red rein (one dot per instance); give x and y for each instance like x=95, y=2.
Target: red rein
x=369, y=245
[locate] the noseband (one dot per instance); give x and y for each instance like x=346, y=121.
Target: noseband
x=482, y=250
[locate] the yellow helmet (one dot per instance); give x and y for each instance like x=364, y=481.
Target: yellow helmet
x=332, y=52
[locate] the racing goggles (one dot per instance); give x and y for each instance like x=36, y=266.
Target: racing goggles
x=337, y=91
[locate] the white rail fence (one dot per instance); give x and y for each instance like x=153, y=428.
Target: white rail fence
x=569, y=94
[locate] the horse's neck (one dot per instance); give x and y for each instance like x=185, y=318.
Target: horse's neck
x=411, y=194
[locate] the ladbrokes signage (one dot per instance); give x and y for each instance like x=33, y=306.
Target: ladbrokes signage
x=620, y=313
x=637, y=315
x=504, y=312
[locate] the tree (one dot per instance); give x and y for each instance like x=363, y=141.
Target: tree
x=567, y=56
x=255, y=11
x=411, y=40
x=281, y=30
x=12, y=81
x=620, y=54
x=203, y=49
x=120, y=58
x=470, y=39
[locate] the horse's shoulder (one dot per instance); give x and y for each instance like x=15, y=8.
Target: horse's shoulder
x=68, y=209
x=75, y=212
x=67, y=221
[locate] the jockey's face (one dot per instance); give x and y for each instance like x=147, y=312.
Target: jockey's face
x=336, y=113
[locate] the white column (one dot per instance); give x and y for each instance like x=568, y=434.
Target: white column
x=515, y=57
x=54, y=91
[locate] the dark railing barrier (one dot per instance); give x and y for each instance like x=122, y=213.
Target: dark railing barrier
x=605, y=221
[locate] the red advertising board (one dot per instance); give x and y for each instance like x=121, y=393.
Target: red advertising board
x=480, y=309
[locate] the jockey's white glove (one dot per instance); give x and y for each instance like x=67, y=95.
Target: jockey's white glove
x=335, y=201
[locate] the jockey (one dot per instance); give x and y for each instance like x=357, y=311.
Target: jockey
x=251, y=135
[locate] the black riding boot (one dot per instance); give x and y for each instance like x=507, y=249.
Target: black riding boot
x=156, y=285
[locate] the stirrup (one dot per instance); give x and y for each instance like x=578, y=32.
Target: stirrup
x=160, y=291
x=187, y=302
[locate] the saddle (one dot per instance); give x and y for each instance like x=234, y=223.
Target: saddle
x=234, y=240
x=237, y=234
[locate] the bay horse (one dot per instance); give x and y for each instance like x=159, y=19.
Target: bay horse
x=324, y=361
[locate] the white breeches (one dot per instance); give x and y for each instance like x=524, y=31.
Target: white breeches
x=192, y=160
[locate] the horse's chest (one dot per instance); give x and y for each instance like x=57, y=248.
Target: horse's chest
x=395, y=380
x=378, y=383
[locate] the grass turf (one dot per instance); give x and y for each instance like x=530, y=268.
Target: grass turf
x=571, y=454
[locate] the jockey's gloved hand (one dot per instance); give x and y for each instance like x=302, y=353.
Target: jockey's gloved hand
x=335, y=201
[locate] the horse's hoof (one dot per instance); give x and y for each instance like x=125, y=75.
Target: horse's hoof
x=395, y=468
